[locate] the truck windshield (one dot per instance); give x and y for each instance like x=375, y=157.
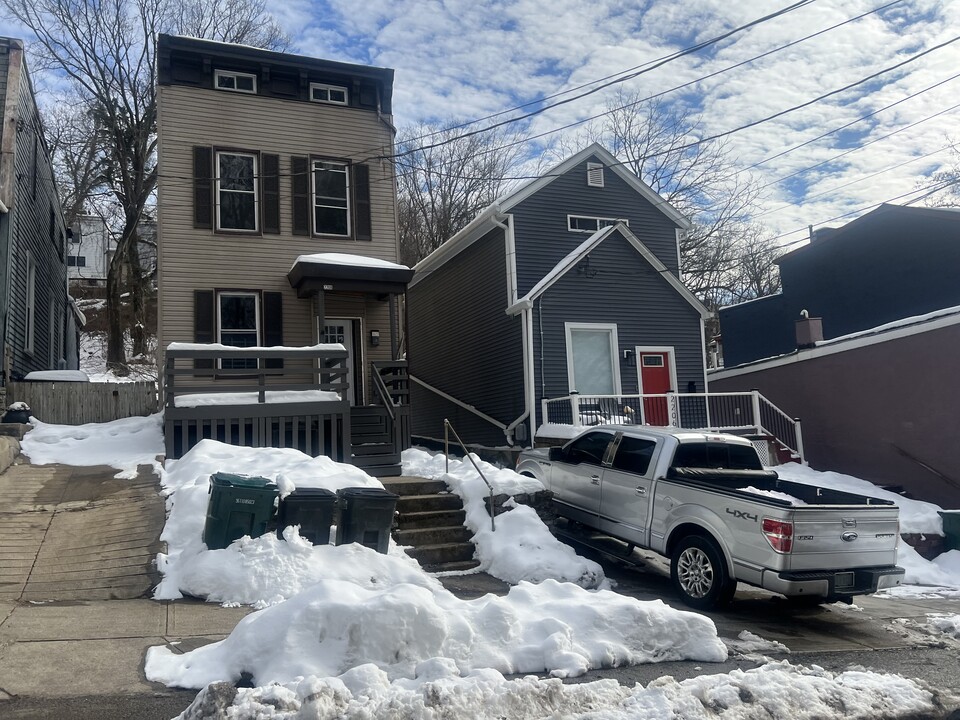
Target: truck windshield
x=716, y=455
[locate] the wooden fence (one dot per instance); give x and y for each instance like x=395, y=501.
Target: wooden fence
x=77, y=403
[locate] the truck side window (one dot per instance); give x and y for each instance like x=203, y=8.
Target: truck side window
x=634, y=455
x=589, y=448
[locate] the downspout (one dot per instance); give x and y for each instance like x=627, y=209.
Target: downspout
x=530, y=372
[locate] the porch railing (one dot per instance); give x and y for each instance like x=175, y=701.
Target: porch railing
x=739, y=412
x=257, y=397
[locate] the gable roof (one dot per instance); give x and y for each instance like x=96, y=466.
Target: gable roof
x=490, y=216
x=573, y=259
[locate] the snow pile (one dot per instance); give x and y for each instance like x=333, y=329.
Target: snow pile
x=121, y=444
x=916, y=516
x=946, y=624
x=522, y=547
x=335, y=625
x=251, y=574
x=775, y=690
x=939, y=577
x=748, y=642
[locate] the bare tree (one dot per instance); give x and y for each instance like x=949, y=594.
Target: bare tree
x=441, y=189
x=945, y=183
x=107, y=50
x=75, y=153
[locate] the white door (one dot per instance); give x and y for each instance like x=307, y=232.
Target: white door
x=337, y=330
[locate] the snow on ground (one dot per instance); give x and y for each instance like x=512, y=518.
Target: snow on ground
x=121, y=444
x=916, y=516
x=776, y=690
x=521, y=547
x=946, y=624
x=751, y=643
x=257, y=571
x=335, y=625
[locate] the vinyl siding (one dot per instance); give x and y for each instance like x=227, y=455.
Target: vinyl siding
x=462, y=342
x=192, y=259
x=627, y=291
x=540, y=221
x=27, y=234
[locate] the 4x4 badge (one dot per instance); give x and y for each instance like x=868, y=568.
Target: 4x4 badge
x=741, y=515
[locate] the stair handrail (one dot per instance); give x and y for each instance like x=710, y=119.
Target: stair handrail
x=383, y=392
x=447, y=429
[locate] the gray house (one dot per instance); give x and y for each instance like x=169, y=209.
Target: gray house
x=37, y=314
x=569, y=284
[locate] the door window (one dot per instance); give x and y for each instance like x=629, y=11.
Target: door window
x=633, y=455
x=589, y=448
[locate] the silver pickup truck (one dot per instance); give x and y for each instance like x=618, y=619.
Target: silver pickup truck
x=704, y=501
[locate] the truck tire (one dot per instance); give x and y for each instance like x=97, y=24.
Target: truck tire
x=699, y=573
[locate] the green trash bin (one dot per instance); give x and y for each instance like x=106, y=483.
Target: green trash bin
x=951, y=529
x=238, y=506
x=366, y=517
x=311, y=509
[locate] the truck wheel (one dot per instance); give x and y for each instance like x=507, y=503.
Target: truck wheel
x=699, y=573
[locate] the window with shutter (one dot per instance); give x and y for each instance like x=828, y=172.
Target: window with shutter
x=237, y=191
x=202, y=187
x=331, y=198
x=361, y=202
x=300, y=194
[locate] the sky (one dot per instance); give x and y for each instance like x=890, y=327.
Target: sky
x=465, y=60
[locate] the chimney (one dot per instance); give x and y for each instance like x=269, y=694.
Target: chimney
x=809, y=331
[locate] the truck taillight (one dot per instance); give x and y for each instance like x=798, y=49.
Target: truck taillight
x=778, y=534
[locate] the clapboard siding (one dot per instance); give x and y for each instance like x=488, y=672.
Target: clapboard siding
x=462, y=342
x=191, y=258
x=32, y=230
x=540, y=221
x=624, y=289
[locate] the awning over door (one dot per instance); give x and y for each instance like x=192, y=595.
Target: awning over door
x=340, y=272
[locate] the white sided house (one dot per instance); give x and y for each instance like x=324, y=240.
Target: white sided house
x=278, y=280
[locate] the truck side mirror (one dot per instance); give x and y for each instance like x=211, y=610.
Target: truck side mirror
x=556, y=454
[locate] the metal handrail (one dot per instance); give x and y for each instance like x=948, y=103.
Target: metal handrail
x=447, y=429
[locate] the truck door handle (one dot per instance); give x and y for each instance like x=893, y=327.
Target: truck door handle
x=641, y=490
x=594, y=479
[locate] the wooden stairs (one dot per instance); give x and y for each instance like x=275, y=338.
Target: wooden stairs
x=430, y=521
x=373, y=444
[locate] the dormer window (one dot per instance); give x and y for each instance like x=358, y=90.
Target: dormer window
x=235, y=81
x=333, y=94
x=595, y=174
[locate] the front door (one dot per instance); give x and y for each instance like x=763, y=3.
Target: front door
x=656, y=378
x=340, y=330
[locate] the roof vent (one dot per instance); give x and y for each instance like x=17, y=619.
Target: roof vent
x=595, y=174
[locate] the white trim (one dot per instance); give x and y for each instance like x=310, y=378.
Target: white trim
x=571, y=261
x=256, y=316
x=354, y=385
x=703, y=351
x=610, y=221
x=327, y=87
x=313, y=195
x=476, y=229
x=570, y=327
x=678, y=234
x=671, y=361
x=255, y=192
x=838, y=345
x=530, y=372
x=217, y=74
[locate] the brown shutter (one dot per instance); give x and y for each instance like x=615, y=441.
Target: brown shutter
x=361, y=202
x=300, y=183
x=273, y=325
x=204, y=327
x=203, y=187
x=270, y=192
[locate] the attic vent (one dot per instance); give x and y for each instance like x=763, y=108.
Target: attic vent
x=594, y=174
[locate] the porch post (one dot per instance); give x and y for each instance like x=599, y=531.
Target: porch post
x=393, y=327
x=320, y=311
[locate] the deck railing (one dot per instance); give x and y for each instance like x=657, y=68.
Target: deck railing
x=257, y=397
x=738, y=412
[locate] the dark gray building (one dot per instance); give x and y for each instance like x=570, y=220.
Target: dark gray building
x=892, y=263
x=36, y=313
x=571, y=283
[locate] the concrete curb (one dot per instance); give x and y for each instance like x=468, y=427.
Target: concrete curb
x=9, y=449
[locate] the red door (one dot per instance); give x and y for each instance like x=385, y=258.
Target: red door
x=654, y=368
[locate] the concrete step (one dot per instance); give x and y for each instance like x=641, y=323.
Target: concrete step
x=420, y=537
x=442, y=553
x=422, y=503
x=407, y=485
x=458, y=566
x=383, y=471
x=428, y=518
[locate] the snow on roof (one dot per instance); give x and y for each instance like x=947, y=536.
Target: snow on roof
x=347, y=259
x=255, y=348
x=902, y=322
x=57, y=376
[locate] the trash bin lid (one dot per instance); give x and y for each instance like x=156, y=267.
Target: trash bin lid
x=312, y=493
x=366, y=492
x=245, y=481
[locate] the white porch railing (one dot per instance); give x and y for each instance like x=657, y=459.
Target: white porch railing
x=739, y=412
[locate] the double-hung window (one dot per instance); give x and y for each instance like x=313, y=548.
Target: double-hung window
x=238, y=315
x=331, y=198
x=236, y=191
